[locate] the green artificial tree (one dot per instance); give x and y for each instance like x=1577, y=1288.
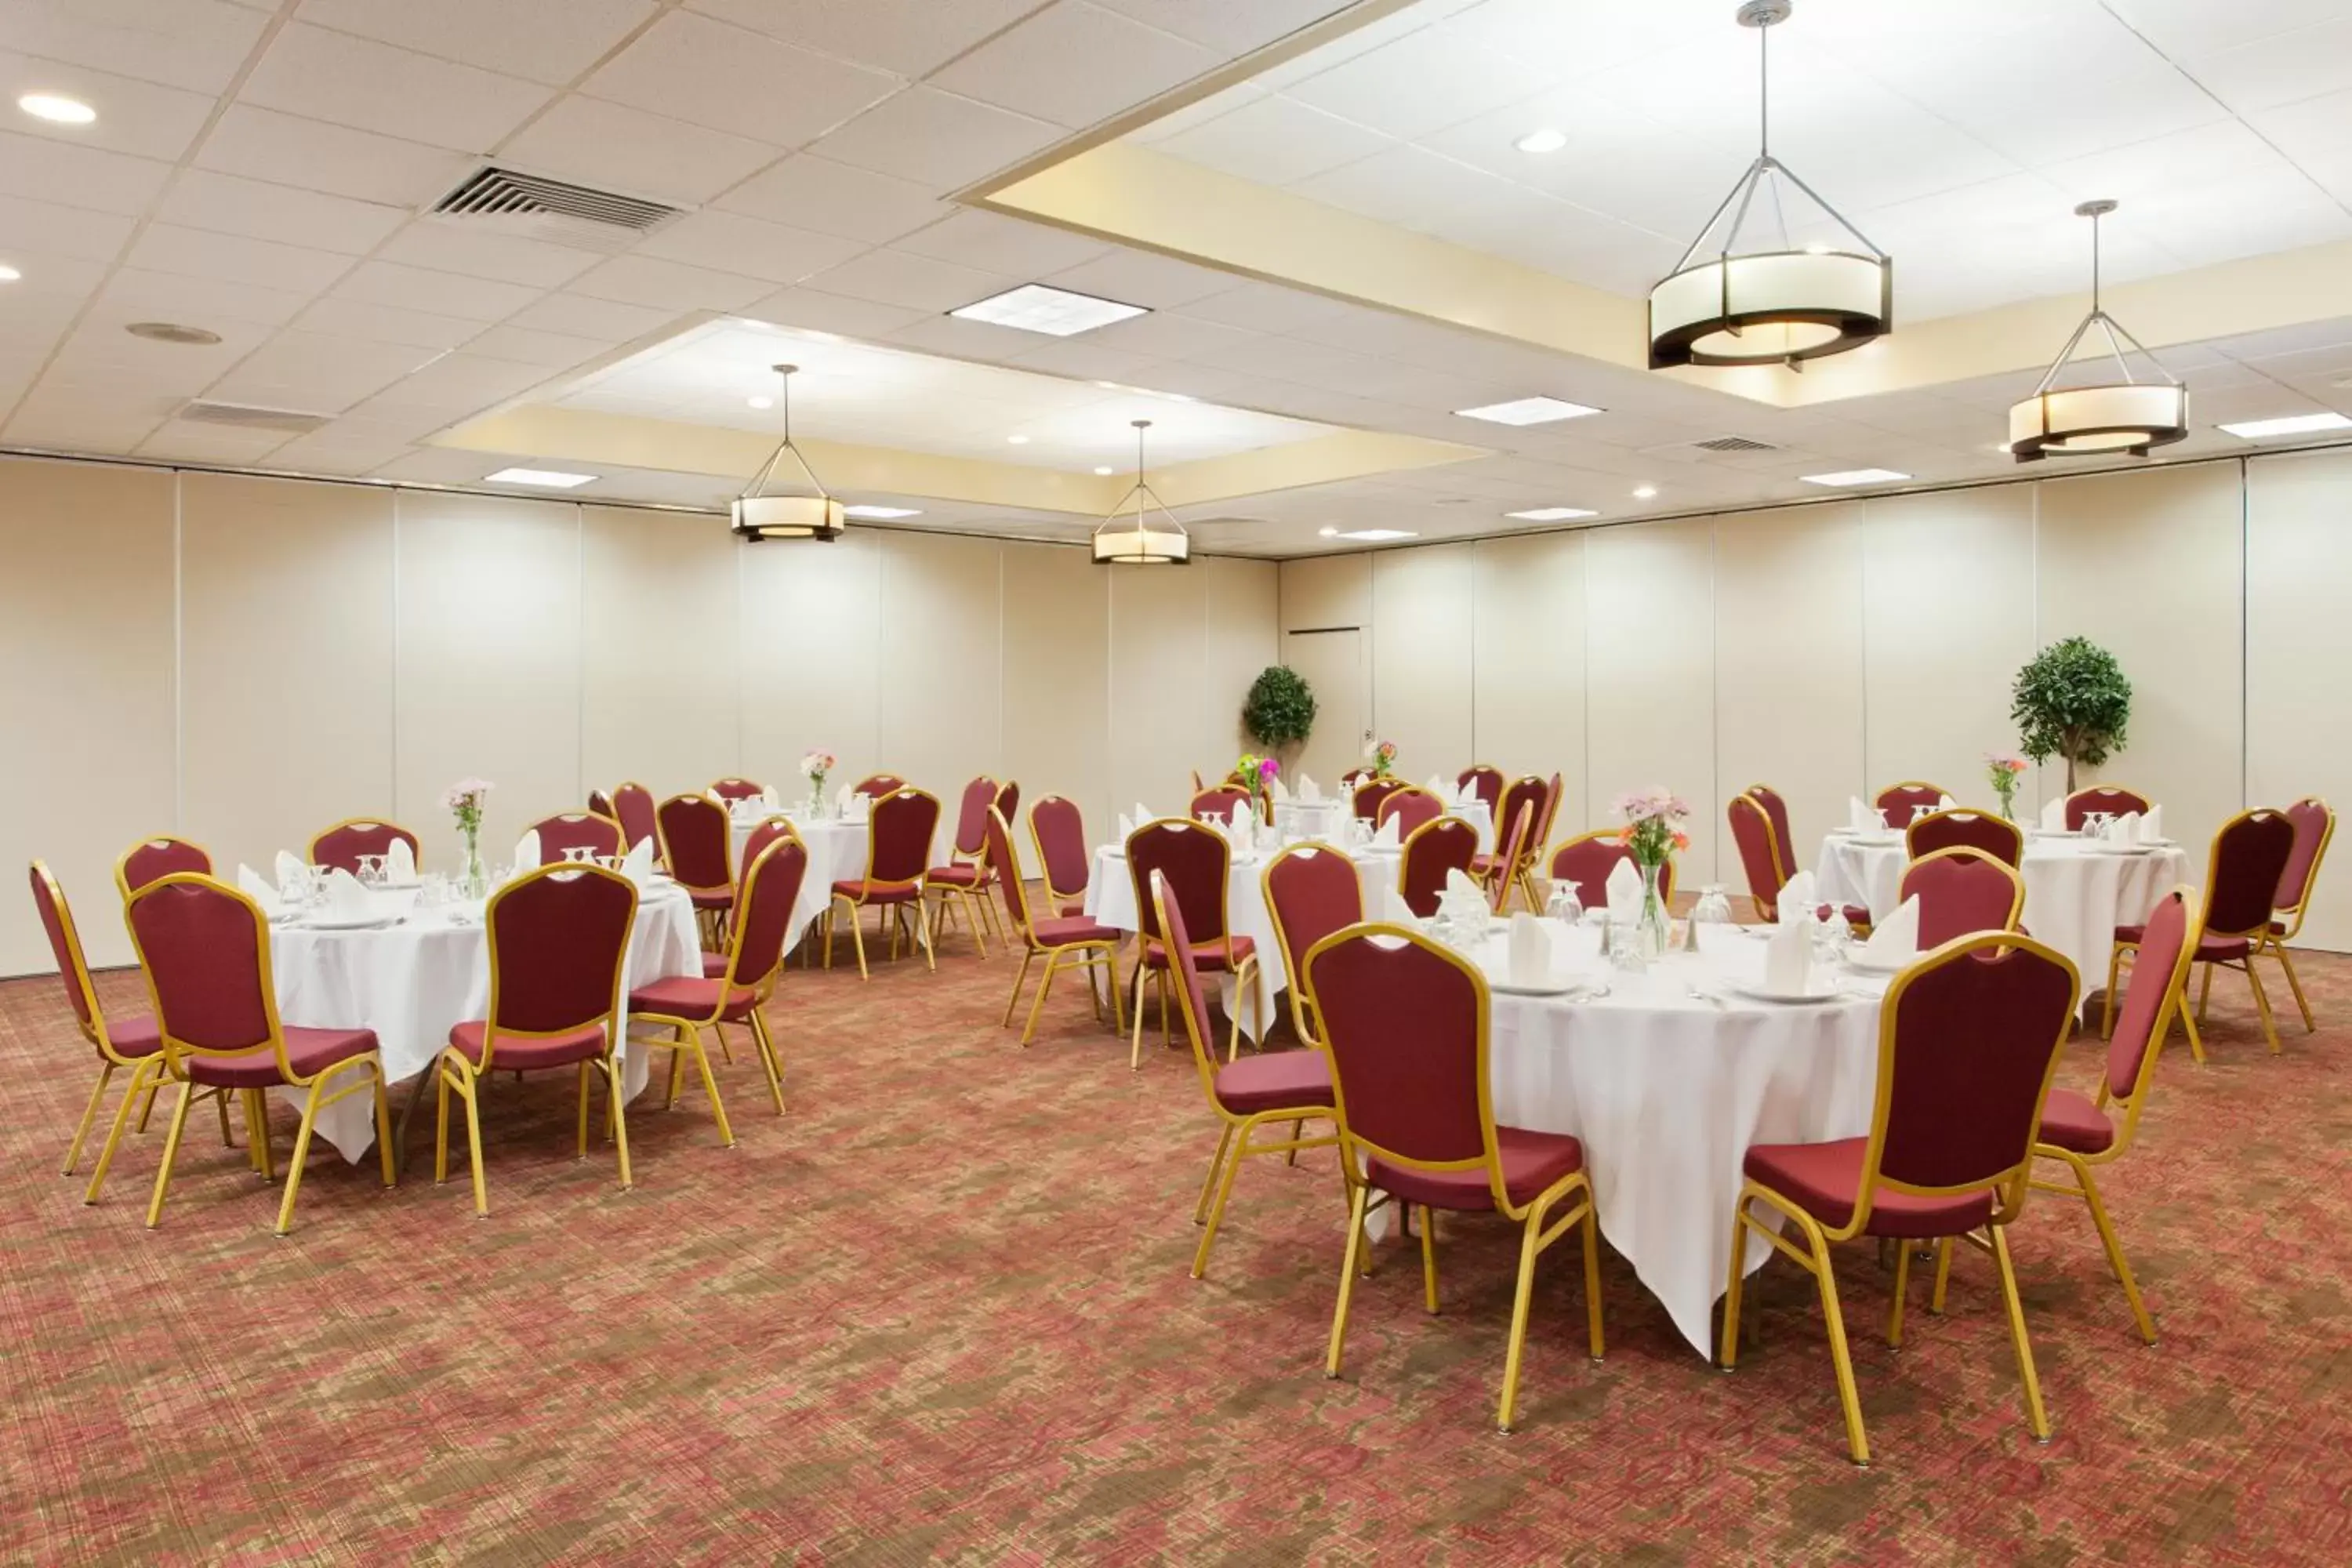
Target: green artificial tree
x=2073, y=701
x=1279, y=711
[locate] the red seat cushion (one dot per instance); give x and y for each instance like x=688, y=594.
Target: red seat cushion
x=859, y=890
x=1224, y=954
x=1531, y=1162
x=1484, y=863
x=1855, y=914
x=714, y=966
x=1825, y=1179
x=1074, y=909
x=1276, y=1081
x=2071, y=1122
x=1072, y=930
x=2278, y=927
x=517, y=1054
x=2209, y=949
x=963, y=874
x=712, y=897
x=308, y=1051
x=690, y=997
x=134, y=1034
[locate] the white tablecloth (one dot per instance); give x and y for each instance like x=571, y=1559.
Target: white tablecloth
x=412, y=982
x=837, y=851
x=1323, y=819
x=1668, y=1091
x=2077, y=893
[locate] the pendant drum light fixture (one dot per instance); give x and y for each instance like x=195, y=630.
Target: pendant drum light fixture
x=1722, y=306
x=1141, y=531
x=2126, y=415
x=758, y=516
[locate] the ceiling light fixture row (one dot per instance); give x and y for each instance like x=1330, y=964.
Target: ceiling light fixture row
x=2126, y=415
x=1138, y=537
x=757, y=516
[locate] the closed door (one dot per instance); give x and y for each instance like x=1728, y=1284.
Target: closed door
x=1332, y=663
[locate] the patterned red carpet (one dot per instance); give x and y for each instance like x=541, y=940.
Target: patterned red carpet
x=941, y=1311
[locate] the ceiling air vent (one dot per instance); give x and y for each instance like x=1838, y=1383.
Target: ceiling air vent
x=531, y=207
x=1735, y=444
x=246, y=417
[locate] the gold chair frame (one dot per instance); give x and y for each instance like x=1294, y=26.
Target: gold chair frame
x=2016, y=834
x=2274, y=942
x=1100, y=954
x=921, y=902
x=970, y=903
x=1969, y=851
x=1245, y=973
x=2255, y=940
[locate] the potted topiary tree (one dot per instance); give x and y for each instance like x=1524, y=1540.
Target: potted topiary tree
x=2071, y=700
x=1278, y=711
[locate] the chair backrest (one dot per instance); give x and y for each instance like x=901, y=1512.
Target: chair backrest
x=1167, y=913
x=764, y=832
x=1447, y=844
x=2159, y=974
x=1311, y=891
x=1784, y=841
x=1509, y=849
x=1589, y=857
x=732, y=789
x=575, y=830
x=1760, y=853
x=602, y=805
x=1962, y=891
x=1008, y=806
x=2314, y=825
x=1059, y=830
x=1969, y=1039
x=1553, y=793
x=899, y=836
x=2249, y=855
x=873, y=786
x=1410, y=808
x=764, y=906
x=65, y=945
x=149, y=858
x=558, y=937
x=971, y=815
x=342, y=845
x=1196, y=862
x=205, y=949
x=1962, y=828
x=1530, y=791
x=1366, y=801
x=1484, y=780
x=1218, y=803
x=632, y=808
x=2112, y=799
x=696, y=842
x=1009, y=888
x=1904, y=801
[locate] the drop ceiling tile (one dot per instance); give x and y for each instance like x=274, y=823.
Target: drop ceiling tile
x=133, y=294
x=142, y=118
x=1139, y=278
x=230, y=204
x=936, y=139
x=916, y=282
x=816, y=310
x=1198, y=112
x=233, y=258
x=449, y=245
x=542, y=40
x=452, y=465
x=387, y=325
x=818, y=193
x=1169, y=336
x=439, y=293
x=1275, y=141
x=1586, y=35
x=2283, y=68
x=369, y=86
x=1264, y=307
x=317, y=373
x=460, y=383
x=335, y=450
x=963, y=340
x=669, y=285
x=708, y=73
x=265, y=145
x=1017, y=247
x=1229, y=27
x=80, y=233
x=1076, y=64
x=613, y=147
x=1422, y=83
x=2189, y=29
x=910, y=37
x=606, y=319
x=55, y=171
x=748, y=246
x=192, y=44
x=552, y=351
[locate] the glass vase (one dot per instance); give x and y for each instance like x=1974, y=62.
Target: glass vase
x=1651, y=931
x=472, y=882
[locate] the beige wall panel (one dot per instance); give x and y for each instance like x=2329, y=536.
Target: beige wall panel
x=660, y=679
x=287, y=647
x=811, y=648
x=1788, y=671
x=86, y=638
x=2298, y=647
x=1245, y=613
x=1057, y=686
x=942, y=664
x=1424, y=606
x=1328, y=590
x=488, y=664
x=2148, y=566
x=1528, y=704
x=1159, y=697
x=1948, y=620
x=1650, y=664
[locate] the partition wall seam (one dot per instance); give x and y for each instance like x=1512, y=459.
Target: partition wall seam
x=392, y=785
x=742, y=612
x=580, y=641
x=1862, y=638
x=2033, y=598
x=179, y=662
x=2245, y=633
x=1714, y=688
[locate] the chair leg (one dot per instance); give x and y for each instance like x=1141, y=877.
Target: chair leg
x=89, y=1115
x=1531, y=1244
x=1591, y=1225
x=2204, y=990
x=1360, y=1195
x=1217, y=1166
x=857, y=939
x=2113, y=1244
x=1044, y=989
x=1902, y=1292
x=140, y=1073
x=220, y=1104
x=171, y=1152
x=1018, y=981
x=2261, y=1004
x=1943, y=1276
x=977, y=919
x=147, y=1105
x=1429, y=1260
x=710, y=1088
x=301, y=1151
x=2294, y=983
x=581, y=1149
x=676, y=1067
x=768, y=1058
x=386, y=1157
x=440, y=1124
x=2107, y=998
x=257, y=1133
x=1224, y=1192
x=620, y=1116
x=1857, y=1443
x=474, y=1148
x=2037, y=1419
x=1735, y=1286
x=923, y=931
x=2196, y=1036
x=1135, y=1052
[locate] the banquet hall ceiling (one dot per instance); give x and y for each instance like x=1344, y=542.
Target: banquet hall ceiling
x=850, y=172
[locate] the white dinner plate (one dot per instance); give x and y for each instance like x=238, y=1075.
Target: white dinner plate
x=371, y=922
x=2104, y=849
x=1755, y=991
x=1860, y=961
x=1558, y=986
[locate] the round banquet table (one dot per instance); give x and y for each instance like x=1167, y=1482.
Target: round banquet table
x=413, y=980
x=1668, y=1079
x=1322, y=818
x=837, y=851
x=2077, y=890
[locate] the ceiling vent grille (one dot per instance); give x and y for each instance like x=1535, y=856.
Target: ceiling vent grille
x=246, y=417
x=531, y=207
x=1735, y=444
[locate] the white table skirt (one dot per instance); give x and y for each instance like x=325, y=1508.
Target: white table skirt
x=837, y=852
x=1668, y=1091
x=412, y=982
x=2075, y=894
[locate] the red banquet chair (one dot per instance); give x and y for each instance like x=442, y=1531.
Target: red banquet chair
x=2315, y=828
x=731, y=790
x=766, y=831
x=1484, y=780
x=1447, y=844
x=1073, y=939
x=602, y=805
x=1280, y=1085
x=873, y=786
x=898, y=852
x=2112, y=799
x=634, y=809
x=1218, y=803
x=2081, y=1131
x=1367, y=795
x=2241, y=877
x=1409, y=808
x=1417, y=1120
x=1513, y=845
x=1968, y=1039
x=1963, y=828
x=577, y=830
x=1961, y=891
x=1198, y=862
x=1059, y=828
x=1587, y=859
x=689, y=1003
x=558, y=937
x=1533, y=793
x=1311, y=891
x=963, y=881
x=697, y=845
x=206, y=950
x=1764, y=857
x=1776, y=808
x=1912, y=797
x=151, y=858
x=342, y=846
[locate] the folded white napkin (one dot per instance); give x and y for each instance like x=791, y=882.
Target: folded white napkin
x=2151, y=827
x=2123, y=829
x=400, y=862
x=714, y=794
x=1461, y=893
x=1798, y=899
x=2053, y=814
x=256, y=886
x=860, y=807
x=526, y=854
x=1860, y=817
x=1386, y=836
x=1788, y=958
x=1243, y=821
x=768, y=796
x=1624, y=888
x=1142, y=813
x=841, y=800
x=1125, y=827
x=1530, y=950
x=1278, y=789
x=1309, y=789
x=1895, y=938
x=1395, y=910
x=346, y=900
x=1440, y=788
x=1945, y=803
x=293, y=876
x=637, y=865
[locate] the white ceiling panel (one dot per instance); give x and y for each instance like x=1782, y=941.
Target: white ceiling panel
x=708, y=73
x=543, y=40
x=937, y=139
x=669, y=285
x=1275, y=141
x=916, y=282
x=192, y=44
x=748, y=246
x=582, y=317
x=387, y=325
x=81, y=233
x=233, y=258
x=910, y=37
x=1003, y=244
x=1425, y=82
x=2281, y=69
x=2188, y=28
x=614, y=147
x=821, y=312
x=1075, y=64
x=460, y=384
x=1232, y=26
x=137, y=294
x=814, y=193
x=177, y=440
x=317, y=373
x=368, y=86
x=449, y=245
x=1139, y=278
x=331, y=158
x=142, y=118
x=56, y=170
x=230, y=204
x=549, y=350
x=439, y=293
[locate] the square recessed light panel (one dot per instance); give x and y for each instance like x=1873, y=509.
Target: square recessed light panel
x=1056, y=312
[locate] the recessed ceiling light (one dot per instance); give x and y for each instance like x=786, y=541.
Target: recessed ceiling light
x=816, y=337
x=1016, y=440
x=1544, y=141
x=1645, y=492
x=1551, y=514
x=1105, y=468
x=1846, y=478
x=8, y=274
x=1328, y=532
x=546, y=479
x=1110, y=386
x=761, y=402
x=2293, y=424
x=881, y=513
x=172, y=332
x=1528, y=411
x=50, y=106
x=1378, y=535
x=1056, y=312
